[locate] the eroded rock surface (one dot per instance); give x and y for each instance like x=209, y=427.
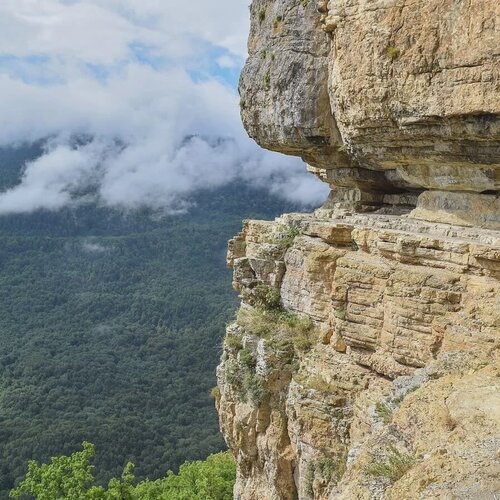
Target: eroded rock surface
x=364, y=361
x=385, y=96
x=394, y=391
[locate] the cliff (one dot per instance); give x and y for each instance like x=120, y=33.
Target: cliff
x=364, y=363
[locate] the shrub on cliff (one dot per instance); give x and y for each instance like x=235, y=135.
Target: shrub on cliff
x=266, y=297
x=274, y=323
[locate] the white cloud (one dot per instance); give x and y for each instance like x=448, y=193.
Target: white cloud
x=227, y=62
x=133, y=78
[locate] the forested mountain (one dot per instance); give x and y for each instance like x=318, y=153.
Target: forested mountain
x=110, y=325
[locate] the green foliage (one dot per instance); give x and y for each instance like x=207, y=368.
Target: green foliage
x=113, y=321
x=383, y=412
x=283, y=346
x=65, y=477
x=275, y=323
x=263, y=54
x=233, y=341
x=262, y=16
x=241, y=376
x=266, y=297
x=317, y=383
x=340, y=312
x=287, y=334
x=305, y=3
x=285, y=236
x=215, y=392
x=395, y=465
x=257, y=321
x=71, y=478
x=212, y=479
x=309, y=480
x=253, y=388
x=247, y=358
x=294, y=323
x=302, y=342
x=325, y=471
x=267, y=80
x=392, y=52
x=233, y=375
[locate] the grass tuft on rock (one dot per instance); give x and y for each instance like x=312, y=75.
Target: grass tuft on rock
x=285, y=236
x=268, y=323
x=392, y=52
x=394, y=466
x=383, y=412
x=215, y=393
x=322, y=472
x=233, y=341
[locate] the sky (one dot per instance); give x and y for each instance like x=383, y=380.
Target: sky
x=135, y=100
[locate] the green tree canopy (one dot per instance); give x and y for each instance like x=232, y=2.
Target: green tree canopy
x=71, y=478
x=211, y=479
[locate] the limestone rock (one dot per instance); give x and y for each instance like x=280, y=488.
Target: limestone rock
x=386, y=96
x=396, y=394
x=364, y=362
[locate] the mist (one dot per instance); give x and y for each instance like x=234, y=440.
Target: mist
x=135, y=102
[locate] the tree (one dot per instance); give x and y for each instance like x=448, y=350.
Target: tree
x=71, y=478
x=211, y=479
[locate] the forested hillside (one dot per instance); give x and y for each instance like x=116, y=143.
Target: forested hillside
x=110, y=325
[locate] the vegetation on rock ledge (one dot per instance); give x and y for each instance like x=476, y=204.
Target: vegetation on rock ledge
x=394, y=466
x=285, y=333
x=278, y=327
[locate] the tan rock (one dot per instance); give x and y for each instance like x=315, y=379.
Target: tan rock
x=388, y=297
x=466, y=209
x=378, y=375
x=397, y=96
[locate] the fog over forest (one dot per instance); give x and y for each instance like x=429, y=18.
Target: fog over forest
x=136, y=104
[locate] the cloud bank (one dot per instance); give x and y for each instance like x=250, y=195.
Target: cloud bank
x=135, y=101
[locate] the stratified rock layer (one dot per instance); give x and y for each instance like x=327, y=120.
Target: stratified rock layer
x=364, y=361
x=386, y=96
x=403, y=361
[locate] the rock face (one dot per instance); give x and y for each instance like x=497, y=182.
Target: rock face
x=394, y=390
x=381, y=96
x=364, y=361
